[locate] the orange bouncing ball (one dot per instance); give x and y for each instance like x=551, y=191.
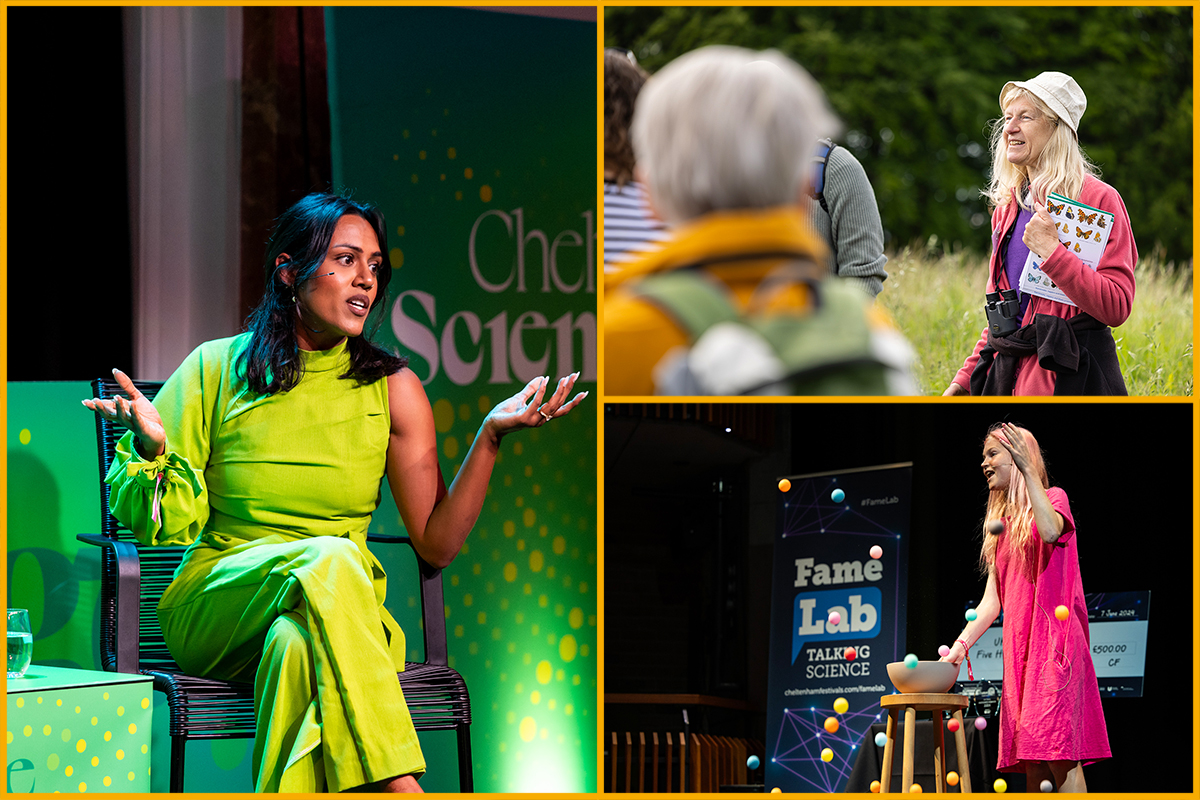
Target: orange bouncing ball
x=915, y=789
x=777, y=790
x=831, y=725
x=876, y=786
x=1061, y=612
x=952, y=778
x=785, y=485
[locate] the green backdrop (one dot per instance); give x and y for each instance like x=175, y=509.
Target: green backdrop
x=475, y=132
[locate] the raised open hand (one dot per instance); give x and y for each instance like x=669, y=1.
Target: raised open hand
x=526, y=408
x=136, y=413
x=1011, y=438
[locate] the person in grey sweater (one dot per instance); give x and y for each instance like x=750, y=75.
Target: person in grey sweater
x=852, y=227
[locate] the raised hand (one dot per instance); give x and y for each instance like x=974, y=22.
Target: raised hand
x=1012, y=440
x=526, y=408
x=136, y=413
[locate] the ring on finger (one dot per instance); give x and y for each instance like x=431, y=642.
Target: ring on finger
x=545, y=416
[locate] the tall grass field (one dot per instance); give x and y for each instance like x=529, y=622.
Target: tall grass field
x=937, y=300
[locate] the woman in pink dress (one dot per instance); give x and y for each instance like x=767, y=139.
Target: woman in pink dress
x=1051, y=720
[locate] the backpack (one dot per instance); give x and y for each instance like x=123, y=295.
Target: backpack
x=829, y=350
x=821, y=159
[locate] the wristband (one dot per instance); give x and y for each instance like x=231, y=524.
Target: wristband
x=967, y=655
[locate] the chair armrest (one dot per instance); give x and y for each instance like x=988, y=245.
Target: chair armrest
x=128, y=588
x=433, y=610
x=386, y=538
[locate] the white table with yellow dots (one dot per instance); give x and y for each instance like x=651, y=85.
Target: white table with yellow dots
x=75, y=730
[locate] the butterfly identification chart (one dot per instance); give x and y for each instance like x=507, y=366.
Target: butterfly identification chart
x=1083, y=230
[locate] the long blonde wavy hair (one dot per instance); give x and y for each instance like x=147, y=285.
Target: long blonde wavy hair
x=1062, y=165
x=1011, y=506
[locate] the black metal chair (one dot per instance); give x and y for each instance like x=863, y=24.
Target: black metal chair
x=133, y=578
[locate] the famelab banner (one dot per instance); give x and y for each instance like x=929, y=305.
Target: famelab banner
x=827, y=525
x=475, y=132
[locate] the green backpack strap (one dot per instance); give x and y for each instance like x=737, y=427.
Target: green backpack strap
x=692, y=300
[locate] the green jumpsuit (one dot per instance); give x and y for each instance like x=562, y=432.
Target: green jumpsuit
x=274, y=494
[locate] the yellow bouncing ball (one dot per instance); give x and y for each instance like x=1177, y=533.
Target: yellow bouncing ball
x=876, y=786
x=841, y=705
x=777, y=790
x=785, y=485
x=915, y=789
x=1001, y=786
x=827, y=754
x=952, y=778
x=1061, y=612
x=831, y=725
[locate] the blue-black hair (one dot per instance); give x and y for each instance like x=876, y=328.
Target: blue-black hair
x=271, y=362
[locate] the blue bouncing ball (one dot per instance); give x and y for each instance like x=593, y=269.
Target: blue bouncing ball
x=910, y=661
x=971, y=614
x=838, y=495
x=880, y=739
x=752, y=762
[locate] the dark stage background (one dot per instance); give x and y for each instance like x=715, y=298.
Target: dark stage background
x=68, y=207
x=689, y=520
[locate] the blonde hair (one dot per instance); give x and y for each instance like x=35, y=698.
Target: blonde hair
x=1012, y=507
x=725, y=128
x=1062, y=165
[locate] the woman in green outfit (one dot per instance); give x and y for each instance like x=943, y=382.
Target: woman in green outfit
x=264, y=452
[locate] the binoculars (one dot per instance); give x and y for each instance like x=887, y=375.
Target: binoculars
x=1003, y=311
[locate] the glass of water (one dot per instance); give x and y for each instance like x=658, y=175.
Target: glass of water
x=20, y=642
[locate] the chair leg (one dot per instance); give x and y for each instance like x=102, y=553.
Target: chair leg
x=466, y=780
x=178, y=743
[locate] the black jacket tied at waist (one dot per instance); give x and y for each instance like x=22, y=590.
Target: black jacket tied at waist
x=1080, y=350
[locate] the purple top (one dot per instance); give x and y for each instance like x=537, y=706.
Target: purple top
x=1014, y=258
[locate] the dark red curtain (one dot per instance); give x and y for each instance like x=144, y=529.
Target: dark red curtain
x=285, y=126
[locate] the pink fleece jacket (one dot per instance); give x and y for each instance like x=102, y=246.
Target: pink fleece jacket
x=1106, y=293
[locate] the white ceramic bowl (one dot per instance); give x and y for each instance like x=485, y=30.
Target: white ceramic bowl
x=928, y=677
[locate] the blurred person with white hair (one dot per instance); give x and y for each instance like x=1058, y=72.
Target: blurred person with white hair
x=739, y=301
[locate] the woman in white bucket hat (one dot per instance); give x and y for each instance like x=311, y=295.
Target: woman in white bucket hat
x=1058, y=348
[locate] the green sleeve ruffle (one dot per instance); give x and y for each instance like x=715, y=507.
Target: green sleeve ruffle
x=163, y=500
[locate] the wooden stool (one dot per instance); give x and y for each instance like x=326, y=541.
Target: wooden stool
x=912, y=703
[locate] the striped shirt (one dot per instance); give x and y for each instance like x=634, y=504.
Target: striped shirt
x=630, y=226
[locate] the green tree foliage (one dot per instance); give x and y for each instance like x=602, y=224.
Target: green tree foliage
x=917, y=89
